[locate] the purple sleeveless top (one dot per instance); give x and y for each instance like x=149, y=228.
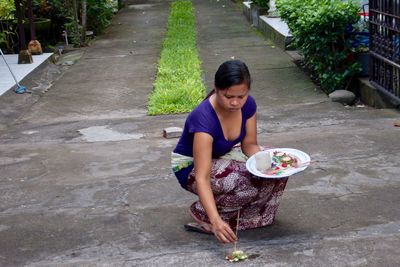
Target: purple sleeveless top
x=204, y=119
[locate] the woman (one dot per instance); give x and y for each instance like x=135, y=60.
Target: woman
x=208, y=162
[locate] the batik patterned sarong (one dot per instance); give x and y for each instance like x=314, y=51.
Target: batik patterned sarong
x=234, y=188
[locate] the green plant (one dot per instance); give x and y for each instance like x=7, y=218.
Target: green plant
x=99, y=14
x=57, y=10
x=4, y=38
x=261, y=3
x=7, y=25
x=7, y=9
x=60, y=13
x=6, y=41
x=320, y=31
x=120, y=4
x=178, y=87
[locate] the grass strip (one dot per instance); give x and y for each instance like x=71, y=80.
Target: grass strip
x=178, y=87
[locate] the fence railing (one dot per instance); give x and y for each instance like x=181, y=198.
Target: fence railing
x=384, y=32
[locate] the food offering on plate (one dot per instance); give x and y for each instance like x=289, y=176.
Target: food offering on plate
x=275, y=164
x=278, y=163
x=282, y=161
x=237, y=255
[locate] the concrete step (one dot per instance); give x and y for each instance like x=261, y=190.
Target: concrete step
x=273, y=28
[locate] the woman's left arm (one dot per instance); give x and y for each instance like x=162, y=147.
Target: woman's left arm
x=249, y=143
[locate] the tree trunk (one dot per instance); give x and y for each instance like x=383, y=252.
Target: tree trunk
x=34, y=46
x=75, y=10
x=84, y=25
x=120, y=4
x=24, y=56
x=20, y=18
x=31, y=25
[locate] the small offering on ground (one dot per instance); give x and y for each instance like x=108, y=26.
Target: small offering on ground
x=237, y=255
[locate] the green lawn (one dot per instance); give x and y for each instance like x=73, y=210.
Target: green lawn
x=178, y=86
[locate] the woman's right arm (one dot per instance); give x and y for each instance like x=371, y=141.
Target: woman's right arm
x=202, y=155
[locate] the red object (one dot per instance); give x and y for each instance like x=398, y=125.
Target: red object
x=350, y=57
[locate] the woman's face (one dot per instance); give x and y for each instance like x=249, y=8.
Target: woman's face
x=232, y=98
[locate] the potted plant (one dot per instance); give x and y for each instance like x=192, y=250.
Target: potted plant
x=41, y=24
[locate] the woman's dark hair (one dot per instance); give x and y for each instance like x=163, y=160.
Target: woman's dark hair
x=231, y=72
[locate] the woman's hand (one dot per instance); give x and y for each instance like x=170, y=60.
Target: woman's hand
x=223, y=231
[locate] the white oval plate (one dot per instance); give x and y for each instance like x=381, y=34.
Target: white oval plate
x=304, y=161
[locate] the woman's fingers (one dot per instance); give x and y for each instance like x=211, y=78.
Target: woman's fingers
x=226, y=235
x=223, y=232
x=231, y=235
x=221, y=238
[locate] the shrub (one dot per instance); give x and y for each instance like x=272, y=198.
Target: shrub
x=320, y=29
x=7, y=26
x=99, y=14
x=61, y=16
x=7, y=9
x=261, y=3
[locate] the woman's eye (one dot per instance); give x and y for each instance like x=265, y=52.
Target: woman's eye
x=230, y=97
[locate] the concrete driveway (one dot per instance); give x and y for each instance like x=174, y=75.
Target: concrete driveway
x=85, y=175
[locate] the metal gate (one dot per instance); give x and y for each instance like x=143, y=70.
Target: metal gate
x=384, y=29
